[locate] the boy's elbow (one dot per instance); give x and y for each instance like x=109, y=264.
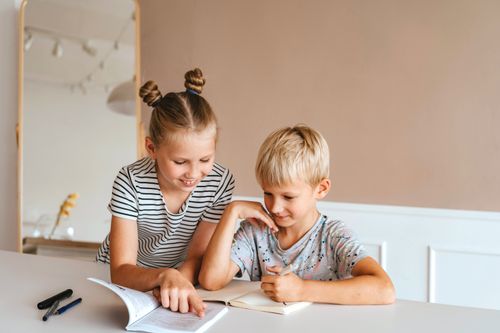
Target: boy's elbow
x=388, y=293
x=209, y=283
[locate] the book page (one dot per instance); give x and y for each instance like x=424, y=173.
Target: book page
x=257, y=300
x=162, y=320
x=138, y=303
x=233, y=290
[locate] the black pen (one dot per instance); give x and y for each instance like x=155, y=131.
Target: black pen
x=50, y=312
x=68, y=306
x=49, y=301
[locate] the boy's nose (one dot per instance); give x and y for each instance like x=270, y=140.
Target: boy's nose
x=276, y=207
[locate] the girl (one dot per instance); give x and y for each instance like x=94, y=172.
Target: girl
x=165, y=207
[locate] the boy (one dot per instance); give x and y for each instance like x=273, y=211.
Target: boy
x=324, y=261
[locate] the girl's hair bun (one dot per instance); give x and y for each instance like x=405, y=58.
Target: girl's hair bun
x=194, y=80
x=150, y=93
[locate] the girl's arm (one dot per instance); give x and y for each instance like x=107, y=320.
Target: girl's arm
x=370, y=284
x=217, y=268
x=177, y=292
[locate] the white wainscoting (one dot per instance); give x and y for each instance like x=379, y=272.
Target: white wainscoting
x=435, y=255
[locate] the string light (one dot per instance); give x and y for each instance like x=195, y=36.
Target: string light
x=86, y=46
x=89, y=49
x=101, y=65
x=57, y=50
x=28, y=41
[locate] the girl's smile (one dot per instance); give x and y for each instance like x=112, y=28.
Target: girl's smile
x=185, y=160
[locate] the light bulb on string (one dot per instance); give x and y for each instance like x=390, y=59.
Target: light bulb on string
x=57, y=50
x=28, y=41
x=89, y=49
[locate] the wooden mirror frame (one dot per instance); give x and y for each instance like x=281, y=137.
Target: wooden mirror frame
x=19, y=126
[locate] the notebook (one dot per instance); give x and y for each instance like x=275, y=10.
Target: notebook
x=248, y=295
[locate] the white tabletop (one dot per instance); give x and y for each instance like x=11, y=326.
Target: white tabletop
x=28, y=279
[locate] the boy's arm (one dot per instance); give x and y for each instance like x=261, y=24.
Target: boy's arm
x=369, y=284
x=197, y=247
x=217, y=268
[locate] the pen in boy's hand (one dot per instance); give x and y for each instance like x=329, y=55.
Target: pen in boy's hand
x=286, y=270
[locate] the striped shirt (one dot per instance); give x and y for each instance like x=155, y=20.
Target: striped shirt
x=163, y=237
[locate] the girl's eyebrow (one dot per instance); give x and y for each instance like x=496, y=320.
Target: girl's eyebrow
x=181, y=158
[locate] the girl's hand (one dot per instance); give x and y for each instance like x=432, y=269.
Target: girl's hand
x=253, y=212
x=282, y=288
x=178, y=294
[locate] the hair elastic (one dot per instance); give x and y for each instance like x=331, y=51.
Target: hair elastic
x=157, y=102
x=191, y=91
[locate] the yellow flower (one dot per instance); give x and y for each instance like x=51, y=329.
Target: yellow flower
x=64, y=210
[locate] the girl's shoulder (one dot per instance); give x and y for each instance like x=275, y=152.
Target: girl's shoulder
x=219, y=170
x=140, y=167
x=219, y=174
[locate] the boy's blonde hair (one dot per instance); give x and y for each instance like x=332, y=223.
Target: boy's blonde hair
x=293, y=153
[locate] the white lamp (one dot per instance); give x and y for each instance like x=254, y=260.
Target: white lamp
x=122, y=98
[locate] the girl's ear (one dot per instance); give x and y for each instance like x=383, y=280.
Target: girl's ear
x=150, y=148
x=323, y=188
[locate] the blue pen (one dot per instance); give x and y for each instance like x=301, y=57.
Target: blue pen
x=62, y=309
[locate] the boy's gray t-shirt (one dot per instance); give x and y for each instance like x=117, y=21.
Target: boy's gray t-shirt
x=327, y=252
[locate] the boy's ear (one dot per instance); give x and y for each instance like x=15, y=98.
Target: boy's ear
x=150, y=148
x=323, y=188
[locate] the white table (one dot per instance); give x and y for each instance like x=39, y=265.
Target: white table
x=28, y=279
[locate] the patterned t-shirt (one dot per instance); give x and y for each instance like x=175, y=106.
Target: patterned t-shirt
x=163, y=237
x=328, y=251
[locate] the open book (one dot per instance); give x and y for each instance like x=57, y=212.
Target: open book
x=146, y=314
x=248, y=295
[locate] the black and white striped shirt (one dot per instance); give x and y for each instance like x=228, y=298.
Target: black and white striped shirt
x=164, y=236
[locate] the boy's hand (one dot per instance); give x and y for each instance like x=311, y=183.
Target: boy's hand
x=253, y=212
x=282, y=288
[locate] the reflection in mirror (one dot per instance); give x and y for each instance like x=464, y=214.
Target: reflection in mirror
x=79, y=119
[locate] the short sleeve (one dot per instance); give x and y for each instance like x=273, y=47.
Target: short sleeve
x=222, y=198
x=123, y=202
x=242, y=252
x=346, y=248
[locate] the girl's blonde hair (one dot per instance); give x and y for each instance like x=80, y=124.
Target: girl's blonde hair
x=186, y=110
x=293, y=153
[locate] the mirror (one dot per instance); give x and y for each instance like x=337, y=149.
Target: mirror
x=78, y=113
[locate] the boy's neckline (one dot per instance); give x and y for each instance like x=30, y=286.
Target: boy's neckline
x=298, y=241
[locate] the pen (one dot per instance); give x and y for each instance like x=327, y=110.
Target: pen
x=51, y=310
x=49, y=301
x=286, y=270
x=68, y=306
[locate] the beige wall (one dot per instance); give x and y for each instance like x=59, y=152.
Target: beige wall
x=8, y=116
x=406, y=93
